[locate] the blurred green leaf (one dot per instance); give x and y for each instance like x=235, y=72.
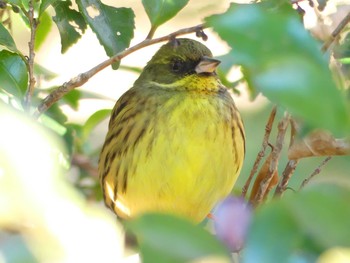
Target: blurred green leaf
x=15, y=2
x=280, y=59
x=113, y=26
x=174, y=239
x=65, y=18
x=45, y=4
x=94, y=120
x=160, y=11
x=305, y=225
x=72, y=98
x=6, y=39
x=56, y=114
x=13, y=74
x=43, y=30
x=43, y=72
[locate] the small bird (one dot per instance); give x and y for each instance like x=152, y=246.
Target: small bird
x=176, y=141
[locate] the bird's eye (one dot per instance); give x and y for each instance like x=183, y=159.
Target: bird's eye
x=176, y=66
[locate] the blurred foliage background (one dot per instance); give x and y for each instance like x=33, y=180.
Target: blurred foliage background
x=50, y=199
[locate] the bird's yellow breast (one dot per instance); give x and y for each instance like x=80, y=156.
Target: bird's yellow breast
x=185, y=153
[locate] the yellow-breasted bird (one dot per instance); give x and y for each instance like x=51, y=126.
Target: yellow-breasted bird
x=175, y=142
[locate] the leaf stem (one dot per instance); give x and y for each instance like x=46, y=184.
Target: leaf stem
x=151, y=32
x=82, y=78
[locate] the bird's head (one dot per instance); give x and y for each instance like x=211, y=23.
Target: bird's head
x=181, y=63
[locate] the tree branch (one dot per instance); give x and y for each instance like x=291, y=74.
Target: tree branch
x=33, y=27
x=261, y=154
x=317, y=171
x=282, y=128
x=82, y=78
x=336, y=33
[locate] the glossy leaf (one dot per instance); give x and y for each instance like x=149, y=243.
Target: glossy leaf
x=93, y=121
x=160, y=11
x=13, y=74
x=280, y=59
x=177, y=240
x=114, y=27
x=43, y=30
x=64, y=18
x=6, y=39
x=302, y=225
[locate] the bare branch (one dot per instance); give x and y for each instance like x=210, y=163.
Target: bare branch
x=282, y=128
x=33, y=26
x=335, y=34
x=316, y=172
x=261, y=154
x=286, y=175
x=82, y=78
x=291, y=165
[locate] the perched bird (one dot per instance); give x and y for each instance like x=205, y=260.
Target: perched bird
x=175, y=142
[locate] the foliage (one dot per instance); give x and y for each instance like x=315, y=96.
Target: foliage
x=279, y=59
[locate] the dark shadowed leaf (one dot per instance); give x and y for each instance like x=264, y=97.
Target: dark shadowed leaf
x=70, y=24
x=13, y=73
x=113, y=26
x=45, y=4
x=280, y=59
x=160, y=11
x=177, y=240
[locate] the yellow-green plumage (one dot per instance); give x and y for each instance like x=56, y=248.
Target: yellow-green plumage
x=175, y=141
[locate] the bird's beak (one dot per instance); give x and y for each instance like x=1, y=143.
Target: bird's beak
x=207, y=65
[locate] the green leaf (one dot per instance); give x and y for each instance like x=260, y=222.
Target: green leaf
x=280, y=59
x=114, y=27
x=94, y=120
x=13, y=74
x=160, y=11
x=6, y=39
x=72, y=98
x=43, y=72
x=175, y=239
x=64, y=18
x=45, y=4
x=43, y=30
x=302, y=225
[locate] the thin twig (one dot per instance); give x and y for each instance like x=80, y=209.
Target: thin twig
x=261, y=154
x=33, y=27
x=82, y=78
x=286, y=175
x=282, y=128
x=336, y=33
x=316, y=172
x=291, y=165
